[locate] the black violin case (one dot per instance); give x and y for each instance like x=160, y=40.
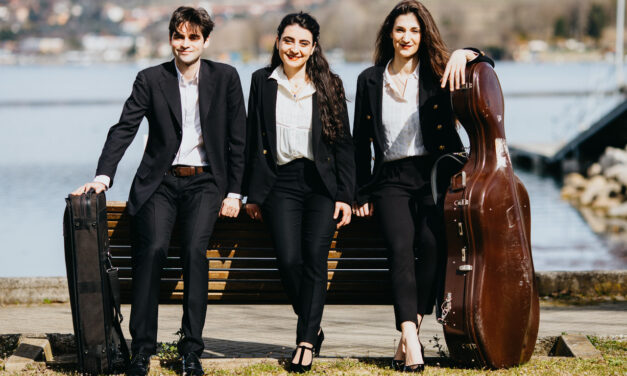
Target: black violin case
x=94, y=286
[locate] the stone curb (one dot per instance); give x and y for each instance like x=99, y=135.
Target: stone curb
x=33, y=290
x=585, y=283
x=576, y=345
x=36, y=290
x=29, y=350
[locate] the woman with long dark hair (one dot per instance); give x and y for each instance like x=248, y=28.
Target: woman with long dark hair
x=403, y=109
x=300, y=171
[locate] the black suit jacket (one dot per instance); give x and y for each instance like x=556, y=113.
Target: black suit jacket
x=156, y=96
x=334, y=161
x=437, y=122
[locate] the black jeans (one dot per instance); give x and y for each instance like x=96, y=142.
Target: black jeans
x=299, y=213
x=195, y=201
x=413, y=231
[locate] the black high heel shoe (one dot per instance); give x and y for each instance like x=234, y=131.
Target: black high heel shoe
x=398, y=364
x=318, y=345
x=416, y=368
x=300, y=367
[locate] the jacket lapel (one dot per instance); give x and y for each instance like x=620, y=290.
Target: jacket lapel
x=427, y=86
x=375, y=96
x=316, y=125
x=170, y=87
x=206, y=90
x=269, y=112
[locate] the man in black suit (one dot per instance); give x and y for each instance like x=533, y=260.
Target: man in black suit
x=194, y=157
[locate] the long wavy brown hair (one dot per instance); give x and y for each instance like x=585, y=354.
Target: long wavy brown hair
x=432, y=50
x=329, y=89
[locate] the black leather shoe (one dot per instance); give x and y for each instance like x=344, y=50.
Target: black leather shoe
x=318, y=345
x=300, y=367
x=140, y=365
x=192, y=365
x=398, y=365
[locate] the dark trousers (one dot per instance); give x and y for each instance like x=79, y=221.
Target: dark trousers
x=299, y=214
x=195, y=202
x=413, y=231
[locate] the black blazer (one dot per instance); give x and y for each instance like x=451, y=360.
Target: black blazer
x=437, y=122
x=156, y=96
x=334, y=161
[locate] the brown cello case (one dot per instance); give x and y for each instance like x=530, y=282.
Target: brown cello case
x=490, y=308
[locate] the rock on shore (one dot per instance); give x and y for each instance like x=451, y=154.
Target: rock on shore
x=601, y=197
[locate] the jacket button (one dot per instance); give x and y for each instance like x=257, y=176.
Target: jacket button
x=265, y=151
x=328, y=159
x=263, y=134
x=368, y=117
x=435, y=106
x=439, y=127
x=441, y=147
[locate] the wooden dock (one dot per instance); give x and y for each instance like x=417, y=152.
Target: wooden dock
x=578, y=153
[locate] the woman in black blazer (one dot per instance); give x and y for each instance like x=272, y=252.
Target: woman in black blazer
x=403, y=109
x=300, y=170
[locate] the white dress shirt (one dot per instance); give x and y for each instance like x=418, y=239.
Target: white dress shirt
x=293, y=119
x=401, y=120
x=192, y=149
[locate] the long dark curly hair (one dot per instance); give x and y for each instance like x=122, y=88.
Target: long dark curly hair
x=432, y=50
x=329, y=89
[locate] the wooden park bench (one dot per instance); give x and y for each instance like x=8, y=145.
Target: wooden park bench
x=242, y=263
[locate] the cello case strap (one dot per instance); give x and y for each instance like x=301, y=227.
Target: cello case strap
x=459, y=158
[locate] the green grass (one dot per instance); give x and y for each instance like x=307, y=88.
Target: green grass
x=610, y=365
x=609, y=346
x=613, y=362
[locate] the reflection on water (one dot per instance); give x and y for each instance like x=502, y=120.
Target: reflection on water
x=560, y=238
x=45, y=152
x=31, y=197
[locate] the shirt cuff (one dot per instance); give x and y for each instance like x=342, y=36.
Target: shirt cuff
x=104, y=179
x=235, y=195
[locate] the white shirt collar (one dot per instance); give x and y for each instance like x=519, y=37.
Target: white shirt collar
x=387, y=78
x=193, y=81
x=281, y=78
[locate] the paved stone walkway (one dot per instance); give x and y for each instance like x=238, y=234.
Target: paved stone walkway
x=267, y=331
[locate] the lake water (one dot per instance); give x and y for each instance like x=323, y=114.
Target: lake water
x=47, y=150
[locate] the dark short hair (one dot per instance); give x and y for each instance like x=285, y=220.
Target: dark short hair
x=194, y=16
